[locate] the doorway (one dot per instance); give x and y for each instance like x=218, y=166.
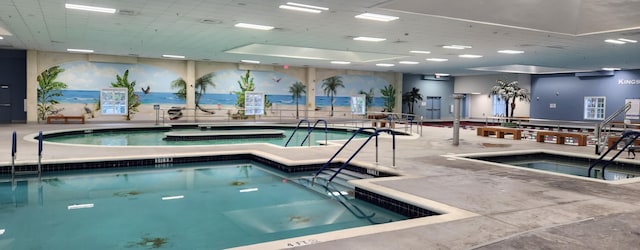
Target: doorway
x=5, y=104
x=433, y=107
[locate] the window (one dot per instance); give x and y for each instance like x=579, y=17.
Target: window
x=499, y=106
x=594, y=107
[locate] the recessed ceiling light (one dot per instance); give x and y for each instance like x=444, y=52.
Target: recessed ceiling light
x=614, y=41
x=456, y=47
x=385, y=65
x=80, y=50
x=377, y=17
x=509, y=51
x=420, y=52
x=442, y=74
x=340, y=62
x=610, y=69
x=469, y=56
x=1, y=38
x=173, y=56
x=437, y=59
x=307, y=6
x=89, y=8
x=369, y=39
x=253, y=26
x=250, y=61
x=407, y=62
x=627, y=40
x=296, y=8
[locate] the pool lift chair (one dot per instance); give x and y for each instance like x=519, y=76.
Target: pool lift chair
x=628, y=138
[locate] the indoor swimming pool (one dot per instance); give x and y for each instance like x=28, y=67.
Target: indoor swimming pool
x=570, y=165
x=156, y=136
x=191, y=206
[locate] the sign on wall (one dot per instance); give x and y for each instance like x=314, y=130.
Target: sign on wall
x=113, y=101
x=358, y=104
x=253, y=103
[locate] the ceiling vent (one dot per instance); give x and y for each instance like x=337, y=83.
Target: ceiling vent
x=127, y=12
x=210, y=21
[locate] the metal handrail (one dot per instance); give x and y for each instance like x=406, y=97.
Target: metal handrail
x=326, y=130
x=601, y=126
x=324, y=166
x=629, y=134
x=14, y=150
x=346, y=163
x=296, y=129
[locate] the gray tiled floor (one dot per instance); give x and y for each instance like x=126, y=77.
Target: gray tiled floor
x=518, y=209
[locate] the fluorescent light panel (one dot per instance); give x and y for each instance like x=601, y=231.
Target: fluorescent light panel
x=469, y=56
x=385, y=65
x=340, y=62
x=173, y=56
x=80, y=50
x=509, y=51
x=289, y=7
x=307, y=6
x=627, y=40
x=89, y=8
x=420, y=52
x=166, y=198
x=407, y=62
x=456, y=47
x=377, y=17
x=369, y=39
x=1, y=37
x=246, y=190
x=2, y=231
x=614, y=41
x=437, y=59
x=441, y=74
x=610, y=69
x=250, y=61
x=253, y=26
x=79, y=206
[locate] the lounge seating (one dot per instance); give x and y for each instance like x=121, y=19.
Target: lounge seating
x=65, y=118
x=500, y=132
x=561, y=137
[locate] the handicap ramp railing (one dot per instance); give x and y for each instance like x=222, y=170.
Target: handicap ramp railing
x=628, y=137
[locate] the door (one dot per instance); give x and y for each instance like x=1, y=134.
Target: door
x=5, y=104
x=433, y=107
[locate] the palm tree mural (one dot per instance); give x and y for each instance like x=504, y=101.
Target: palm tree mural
x=509, y=92
x=181, y=86
x=48, y=90
x=368, y=96
x=412, y=97
x=201, y=86
x=296, y=90
x=133, y=100
x=330, y=86
x=389, y=94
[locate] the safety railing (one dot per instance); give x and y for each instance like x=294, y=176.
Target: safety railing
x=296, y=129
x=309, y=131
x=14, y=154
x=603, y=129
x=629, y=137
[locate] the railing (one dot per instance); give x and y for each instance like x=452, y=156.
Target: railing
x=14, y=151
x=296, y=129
x=601, y=131
x=629, y=137
x=311, y=130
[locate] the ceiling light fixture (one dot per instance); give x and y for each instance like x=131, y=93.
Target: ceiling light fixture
x=610, y=69
x=376, y=17
x=441, y=74
x=173, y=56
x=407, y=62
x=627, y=40
x=250, y=61
x=469, y=56
x=307, y=6
x=614, y=41
x=80, y=50
x=167, y=198
x=385, y=65
x=420, y=52
x=437, y=59
x=340, y=62
x=289, y=7
x=509, y=51
x=89, y=8
x=253, y=26
x=369, y=39
x=1, y=37
x=456, y=47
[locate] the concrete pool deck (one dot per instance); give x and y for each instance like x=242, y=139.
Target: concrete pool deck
x=515, y=208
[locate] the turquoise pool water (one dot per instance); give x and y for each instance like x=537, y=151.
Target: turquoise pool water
x=198, y=206
x=155, y=138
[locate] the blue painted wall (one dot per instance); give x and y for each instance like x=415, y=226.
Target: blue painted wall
x=13, y=73
x=443, y=89
x=568, y=91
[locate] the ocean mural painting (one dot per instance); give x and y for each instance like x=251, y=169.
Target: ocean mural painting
x=82, y=81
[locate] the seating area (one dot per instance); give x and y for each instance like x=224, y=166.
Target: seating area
x=561, y=137
x=540, y=135
x=65, y=119
x=499, y=132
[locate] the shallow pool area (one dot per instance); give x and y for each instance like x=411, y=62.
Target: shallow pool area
x=157, y=136
x=192, y=206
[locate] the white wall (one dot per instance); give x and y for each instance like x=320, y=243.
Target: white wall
x=478, y=88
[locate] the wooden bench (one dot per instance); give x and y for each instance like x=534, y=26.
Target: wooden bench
x=65, y=118
x=561, y=136
x=613, y=139
x=499, y=132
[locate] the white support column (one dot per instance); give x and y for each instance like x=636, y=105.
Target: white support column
x=191, y=92
x=310, y=107
x=397, y=108
x=32, y=86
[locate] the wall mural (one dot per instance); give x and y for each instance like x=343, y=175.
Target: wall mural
x=73, y=89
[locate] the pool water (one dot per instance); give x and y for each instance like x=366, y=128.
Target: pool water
x=155, y=138
x=198, y=206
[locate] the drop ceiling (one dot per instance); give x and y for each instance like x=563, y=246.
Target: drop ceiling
x=565, y=36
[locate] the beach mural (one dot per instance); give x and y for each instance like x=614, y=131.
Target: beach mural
x=74, y=89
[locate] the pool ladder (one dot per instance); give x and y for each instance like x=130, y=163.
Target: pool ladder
x=14, y=153
x=628, y=137
x=309, y=130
